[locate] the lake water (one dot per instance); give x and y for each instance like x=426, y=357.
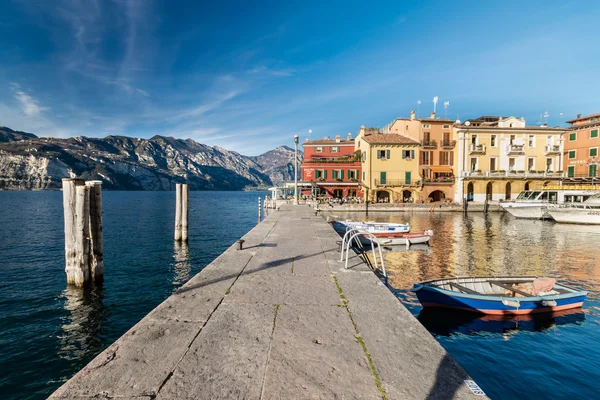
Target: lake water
x=47, y=331
x=551, y=356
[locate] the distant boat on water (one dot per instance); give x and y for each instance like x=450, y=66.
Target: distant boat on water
x=533, y=204
x=587, y=212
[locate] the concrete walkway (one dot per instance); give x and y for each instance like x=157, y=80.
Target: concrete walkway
x=281, y=319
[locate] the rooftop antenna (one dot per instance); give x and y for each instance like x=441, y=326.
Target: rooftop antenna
x=418, y=106
x=446, y=105
x=435, y=101
x=546, y=115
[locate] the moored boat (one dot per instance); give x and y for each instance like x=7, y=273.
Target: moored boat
x=371, y=227
x=499, y=295
x=533, y=204
x=396, y=239
x=587, y=212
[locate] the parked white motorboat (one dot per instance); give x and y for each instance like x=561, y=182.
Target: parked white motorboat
x=371, y=227
x=533, y=204
x=398, y=239
x=587, y=212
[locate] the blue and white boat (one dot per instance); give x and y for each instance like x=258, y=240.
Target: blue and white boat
x=499, y=295
x=371, y=227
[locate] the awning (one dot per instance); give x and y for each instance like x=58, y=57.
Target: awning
x=440, y=168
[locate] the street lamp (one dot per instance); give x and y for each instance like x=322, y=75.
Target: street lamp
x=296, y=170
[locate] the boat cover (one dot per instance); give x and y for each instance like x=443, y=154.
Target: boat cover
x=543, y=285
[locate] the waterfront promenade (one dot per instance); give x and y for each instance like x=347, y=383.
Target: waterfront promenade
x=280, y=319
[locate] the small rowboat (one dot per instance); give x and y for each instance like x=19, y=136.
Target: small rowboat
x=499, y=295
x=372, y=227
x=396, y=239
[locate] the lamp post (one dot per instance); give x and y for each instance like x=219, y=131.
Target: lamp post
x=296, y=170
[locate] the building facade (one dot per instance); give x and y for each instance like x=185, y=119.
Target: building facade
x=581, y=148
x=390, y=167
x=437, y=153
x=331, y=169
x=500, y=156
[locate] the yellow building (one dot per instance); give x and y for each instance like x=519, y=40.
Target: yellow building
x=500, y=156
x=390, y=166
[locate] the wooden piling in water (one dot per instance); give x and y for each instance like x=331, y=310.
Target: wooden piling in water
x=185, y=213
x=465, y=207
x=485, y=206
x=82, y=204
x=178, y=212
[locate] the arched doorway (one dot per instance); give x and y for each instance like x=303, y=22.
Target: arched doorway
x=526, y=186
x=470, y=191
x=437, y=195
x=406, y=196
x=489, y=191
x=383, y=196
x=507, y=192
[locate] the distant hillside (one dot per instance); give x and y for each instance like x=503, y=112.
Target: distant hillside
x=125, y=163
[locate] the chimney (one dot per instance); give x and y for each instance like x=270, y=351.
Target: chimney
x=578, y=115
x=337, y=138
x=349, y=137
x=306, y=140
x=362, y=129
x=325, y=137
x=412, y=115
x=432, y=116
x=544, y=125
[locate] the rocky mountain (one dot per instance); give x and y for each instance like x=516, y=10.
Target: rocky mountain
x=125, y=163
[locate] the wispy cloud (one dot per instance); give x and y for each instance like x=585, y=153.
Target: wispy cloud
x=29, y=105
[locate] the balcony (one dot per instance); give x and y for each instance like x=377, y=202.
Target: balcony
x=344, y=159
x=513, y=174
x=448, y=144
x=429, y=144
x=477, y=149
x=553, y=150
x=516, y=150
x=449, y=180
x=397, y=182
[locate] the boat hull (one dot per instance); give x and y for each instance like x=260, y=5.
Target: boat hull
x=372, y=227
x=576, y=216
x=526, y=211
x=399, y=239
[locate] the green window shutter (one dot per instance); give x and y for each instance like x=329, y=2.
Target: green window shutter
x=571, y=171
x=593, y=152
x=592, y=171
x=382, y=177
x=412, y=154
x=325, y=174
x=594, y=133
x=387, y=154
x=403, y=155
x=571, y=153
x=363, y=176
x=407, y=177
x=342, y=174
x=572, y=136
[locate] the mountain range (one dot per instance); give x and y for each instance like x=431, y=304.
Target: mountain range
x=126, y=163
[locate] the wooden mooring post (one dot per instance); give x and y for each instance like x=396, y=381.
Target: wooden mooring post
x=182, y=199
x=485, y=206
x=259, y=209
x=465, y=206
x=82, y=204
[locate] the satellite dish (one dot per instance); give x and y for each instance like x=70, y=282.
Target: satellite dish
x=467, y=123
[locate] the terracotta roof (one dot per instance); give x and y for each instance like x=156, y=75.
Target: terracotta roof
x=526, y=128
x=389, y=138
x=583, y=126
x=328, y=142
x=585, y=117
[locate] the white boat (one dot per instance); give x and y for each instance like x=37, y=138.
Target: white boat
x=587, y=212
x=398, y=239
x=371, y=227
x=533, y=204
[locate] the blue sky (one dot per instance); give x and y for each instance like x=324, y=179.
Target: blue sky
x=248, y=76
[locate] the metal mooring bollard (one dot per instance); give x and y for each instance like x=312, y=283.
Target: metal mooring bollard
x=339, y=244
x=240, y=244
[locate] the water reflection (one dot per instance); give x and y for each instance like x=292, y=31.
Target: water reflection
x=182, y=264
x=448, y=323
x=82, y=326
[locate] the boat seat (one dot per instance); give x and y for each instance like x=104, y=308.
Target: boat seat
x=512, y=289
x=463, y=289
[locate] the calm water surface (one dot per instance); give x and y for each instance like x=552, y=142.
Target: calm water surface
x=47, y=331
x=555, y=356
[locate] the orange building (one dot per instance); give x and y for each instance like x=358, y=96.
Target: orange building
x=581, y=157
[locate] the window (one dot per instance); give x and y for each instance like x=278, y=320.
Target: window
x=493, y=142
x=531, y=164
x=512, y=138
x=531, y=141
x=337, y=174
x=318, y=149
x=364, y=156
x=445, y=158
x=426, y=126
x=425, y=160
x=572, y=154
x=359, y=144
x=446, y=127
x=592, y=171
x=383, y=154
x=352, y=174
x=474, y=164
x=408, y=154
x=571, y=171
x=363, y=176
x=594, y=152
x=572, y=136
x=473, y=140
x=493, y=166
x=334, y=149
x=321, y=174
x=594, y=134
x=383, y=178
x=548, y=164
x=511, y=163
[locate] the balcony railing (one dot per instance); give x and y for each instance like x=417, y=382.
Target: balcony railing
x=429, y=144
x=516, y=149
x=351, y=159
x=514, y=174
x=550, y=150
x=448, y=144
x=439, y=181
x=397, y=182
x=477, y=149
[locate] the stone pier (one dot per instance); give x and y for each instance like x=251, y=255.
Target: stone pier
x=280, y=319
